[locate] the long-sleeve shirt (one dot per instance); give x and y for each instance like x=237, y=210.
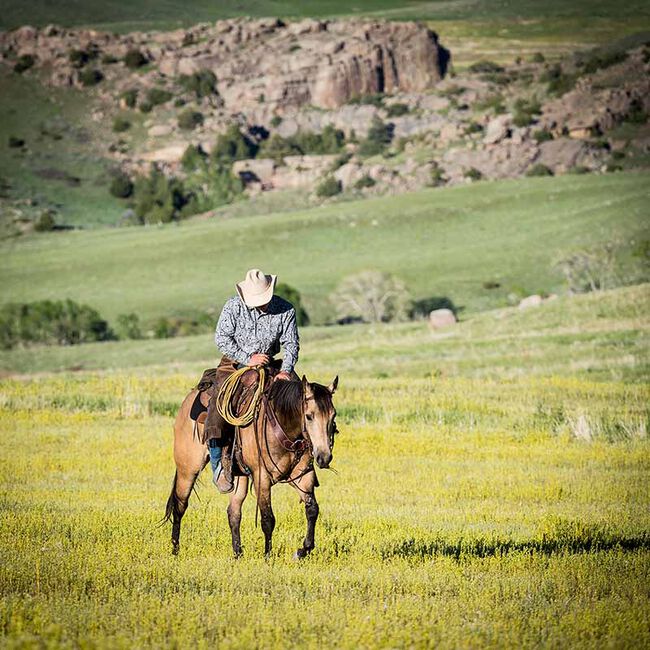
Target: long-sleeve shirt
x=244, y=331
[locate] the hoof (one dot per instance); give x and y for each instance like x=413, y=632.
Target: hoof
x=175, y=548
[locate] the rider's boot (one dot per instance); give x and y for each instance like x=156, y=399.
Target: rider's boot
x=224, y=483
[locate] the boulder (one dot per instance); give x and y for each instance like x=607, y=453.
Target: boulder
x=171, y=154
x=531, y=301
x=440, y=318
x=497, y=129
x=254, y=170
x=160, y=130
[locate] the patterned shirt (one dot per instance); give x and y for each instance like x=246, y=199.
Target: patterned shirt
x=244, y=331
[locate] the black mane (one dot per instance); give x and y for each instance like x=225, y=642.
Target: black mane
x=286, y=397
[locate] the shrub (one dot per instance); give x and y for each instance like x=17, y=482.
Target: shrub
x=559, y=82
x=591, y=269
x=135, y=59
x=51, y=323
x=121, y=124
x=525, y=111
x=579, y=169
x=538, y=57
x=340, y=160
x=371, y=296
x=293, y=296
x=130, y=97
x=179, y=101
x=437, y=176
x=128, y=326
x=473, y=127
x=365, y=181
x=329, y=187
x=276, y=120
x=90, y=76
x=158, y=199
x=15, y=143
x=233, y=145
x=600, y=60
x=145, y=107
x=78, y=58
x=539, y=170
x=202, y=83
x=543, y=135
x=378, y=137
x=190, y=119
x=109, y=59
x=121, y=186
x=212, y=184
x=24, y=62
x=485, y=67
x=45, y=221
x=492, y=102
x=157, y=96
x=398, y=109
x=193, y=156
x=473, y=174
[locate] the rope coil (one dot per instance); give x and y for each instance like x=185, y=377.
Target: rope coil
x=229, y=389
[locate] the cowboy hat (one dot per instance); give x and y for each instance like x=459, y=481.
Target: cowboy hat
x=257, y=289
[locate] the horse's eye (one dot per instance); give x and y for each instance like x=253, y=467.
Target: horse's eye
x=309, y=418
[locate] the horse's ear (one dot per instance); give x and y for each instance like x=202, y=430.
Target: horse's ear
x=332, y=387
x=306, y=387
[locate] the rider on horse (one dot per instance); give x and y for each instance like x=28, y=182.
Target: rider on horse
x=252, y=327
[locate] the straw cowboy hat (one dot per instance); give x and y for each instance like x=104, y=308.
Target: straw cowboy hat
x=257, y=289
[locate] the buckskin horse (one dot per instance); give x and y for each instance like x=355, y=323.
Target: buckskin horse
x=294, y=427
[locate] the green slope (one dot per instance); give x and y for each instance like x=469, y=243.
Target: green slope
x=442, y=242
x=145, y=14
x=600, y=336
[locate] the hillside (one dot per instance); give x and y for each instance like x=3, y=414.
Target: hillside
x=599, y=336
x=446, y=242
x=553, y=19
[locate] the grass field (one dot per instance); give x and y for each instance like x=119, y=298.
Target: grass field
x=579, y=21
x=441, y=242
x=492, y=491
x=63, y=163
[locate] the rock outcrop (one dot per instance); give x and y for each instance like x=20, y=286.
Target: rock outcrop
x=264, y=62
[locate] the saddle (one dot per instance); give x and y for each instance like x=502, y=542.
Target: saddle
x=208, y=386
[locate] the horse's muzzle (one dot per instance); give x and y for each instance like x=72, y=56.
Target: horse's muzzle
x=323, y=459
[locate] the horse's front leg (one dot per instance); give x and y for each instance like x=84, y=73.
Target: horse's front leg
x=234, y=512
x=266, y=512
x=305, y=486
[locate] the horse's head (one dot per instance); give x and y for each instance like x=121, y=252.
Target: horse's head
x=320, y=419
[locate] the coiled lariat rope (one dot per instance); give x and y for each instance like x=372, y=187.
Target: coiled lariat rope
x=229, y=389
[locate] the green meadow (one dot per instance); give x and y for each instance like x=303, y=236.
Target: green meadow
x=491, y=490
x=442, y=242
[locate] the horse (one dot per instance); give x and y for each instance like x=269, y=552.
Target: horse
x=306, y=416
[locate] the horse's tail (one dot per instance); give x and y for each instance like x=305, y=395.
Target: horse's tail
x=172, y=502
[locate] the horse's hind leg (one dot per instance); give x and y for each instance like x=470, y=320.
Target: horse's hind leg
x=305, y=487
x=177, y=503
x=234, y=512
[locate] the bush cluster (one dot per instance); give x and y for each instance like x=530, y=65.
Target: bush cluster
x=525, y=111
x=61, y=322
x=130, y=97
x=135, y=59
x=190, y=119
x=121, y=186
x=202, y=83
x=378, y=138
x=157, y=96
x=329, y=187
x=90, y=76
x=24, y=62
x=329, y=141
x=158, y=199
